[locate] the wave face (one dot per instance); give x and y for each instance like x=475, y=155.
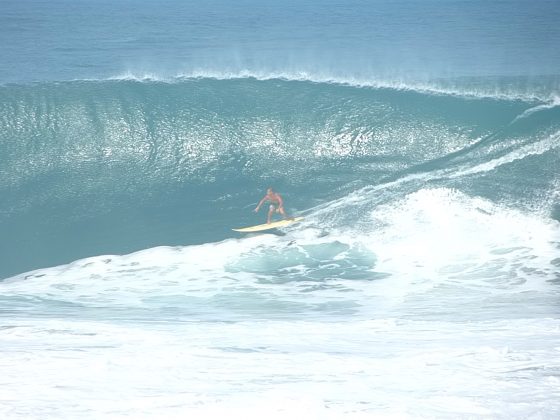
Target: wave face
x=115, y=166
x=422, y=283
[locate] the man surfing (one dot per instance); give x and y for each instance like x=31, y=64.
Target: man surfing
x=276, y=205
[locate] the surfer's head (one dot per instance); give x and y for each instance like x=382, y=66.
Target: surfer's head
x=269, y=190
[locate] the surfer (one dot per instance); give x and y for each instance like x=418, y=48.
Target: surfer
x=276, y=204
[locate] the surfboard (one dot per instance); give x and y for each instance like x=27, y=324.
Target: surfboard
x=267, y=226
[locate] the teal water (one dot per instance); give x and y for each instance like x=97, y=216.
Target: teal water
x=420, y=140
x=105, y=167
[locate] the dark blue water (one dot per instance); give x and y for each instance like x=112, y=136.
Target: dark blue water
x=371, y=40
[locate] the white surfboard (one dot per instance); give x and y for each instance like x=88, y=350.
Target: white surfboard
x=267, y=226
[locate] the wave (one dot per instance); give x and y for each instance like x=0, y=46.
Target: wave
x=122, y=165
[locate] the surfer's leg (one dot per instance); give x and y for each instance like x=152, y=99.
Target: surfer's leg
x=283, y=213
x=270, y=211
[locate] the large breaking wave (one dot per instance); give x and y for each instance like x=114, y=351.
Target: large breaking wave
x=114, y=166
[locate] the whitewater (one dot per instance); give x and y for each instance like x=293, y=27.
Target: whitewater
x=420, y=141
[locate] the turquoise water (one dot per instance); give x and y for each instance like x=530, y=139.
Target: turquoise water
x=100, y=167
x=419, y=139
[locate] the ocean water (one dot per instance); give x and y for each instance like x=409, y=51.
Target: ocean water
x=420, y=140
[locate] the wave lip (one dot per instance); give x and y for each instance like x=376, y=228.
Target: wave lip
x=508, y=88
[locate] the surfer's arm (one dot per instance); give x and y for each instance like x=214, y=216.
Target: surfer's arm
x=260, y=204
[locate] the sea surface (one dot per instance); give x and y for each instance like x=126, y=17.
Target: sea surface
x=420, y=141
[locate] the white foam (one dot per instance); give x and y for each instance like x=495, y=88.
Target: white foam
x=427, y=86
x=463, y=324
x=553, y=102
x=441, y=235
x=533, y=149
x=352, y=369
x=434, y=229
